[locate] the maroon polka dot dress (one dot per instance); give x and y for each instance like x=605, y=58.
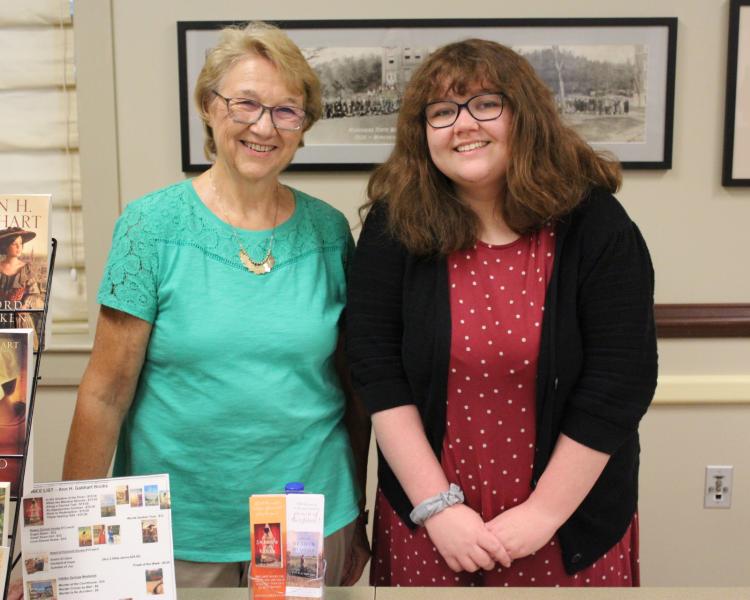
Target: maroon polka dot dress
x=497, y=304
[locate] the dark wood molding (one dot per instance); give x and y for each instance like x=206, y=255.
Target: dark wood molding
x=702, y=320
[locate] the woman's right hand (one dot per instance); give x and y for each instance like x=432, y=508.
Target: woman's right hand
x=458, y=532
x=463, y=540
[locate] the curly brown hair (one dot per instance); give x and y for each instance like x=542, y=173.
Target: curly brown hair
x=551, y=168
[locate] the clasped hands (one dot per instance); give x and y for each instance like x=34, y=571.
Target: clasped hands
x=467, y=543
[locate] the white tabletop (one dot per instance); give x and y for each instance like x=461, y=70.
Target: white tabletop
x=344, y=593
x=385, y=593
x=652, y=593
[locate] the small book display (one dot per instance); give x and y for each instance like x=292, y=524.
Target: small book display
x=286, y=541
x=102, y=538
x=26, y=270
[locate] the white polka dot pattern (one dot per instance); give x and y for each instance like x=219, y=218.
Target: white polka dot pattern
x=497, y=305
x=496, y=298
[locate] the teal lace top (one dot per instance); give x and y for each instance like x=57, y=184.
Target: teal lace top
x=238, y=393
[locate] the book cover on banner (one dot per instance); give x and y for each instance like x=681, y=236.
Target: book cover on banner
x=24, y=259
x=80, y=542
x=267, y=545
x=16, y=371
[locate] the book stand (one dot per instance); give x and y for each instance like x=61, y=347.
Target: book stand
x=29, y=414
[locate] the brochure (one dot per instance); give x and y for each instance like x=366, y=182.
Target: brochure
x=267, y=545
x=88, y=539
x=305, y=566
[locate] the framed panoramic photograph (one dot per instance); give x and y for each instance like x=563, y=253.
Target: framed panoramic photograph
x=613, y=80
x=736, y=171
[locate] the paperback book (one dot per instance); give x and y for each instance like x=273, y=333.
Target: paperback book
x=4, y=564
x=82, y=540
x=15, y=380
x=24, y=260
x=4, y=512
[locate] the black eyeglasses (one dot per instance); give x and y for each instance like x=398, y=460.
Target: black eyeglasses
x=483, y=107
x=247, y=112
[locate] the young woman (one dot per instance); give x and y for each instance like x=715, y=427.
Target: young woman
x=500, y=329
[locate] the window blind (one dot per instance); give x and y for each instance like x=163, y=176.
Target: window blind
x=39, y=138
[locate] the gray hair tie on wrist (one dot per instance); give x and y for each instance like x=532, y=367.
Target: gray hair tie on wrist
x=436, y=504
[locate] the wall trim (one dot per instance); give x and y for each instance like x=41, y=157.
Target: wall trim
x=63, y=365
x=703, y=389
x=702, y=320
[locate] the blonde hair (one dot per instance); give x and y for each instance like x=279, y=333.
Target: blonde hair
x=266, y=41
x=551, y=168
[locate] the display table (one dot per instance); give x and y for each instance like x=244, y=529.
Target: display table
x=653, y=593
x=342, y=593
x=384, y=593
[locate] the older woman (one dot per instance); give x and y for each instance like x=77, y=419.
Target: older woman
x=500, y=328
x=215, y=352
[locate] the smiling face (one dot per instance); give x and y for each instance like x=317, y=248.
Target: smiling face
x=257, y=152
x=473, y=154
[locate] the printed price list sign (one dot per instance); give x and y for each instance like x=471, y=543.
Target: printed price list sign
x=103, y=538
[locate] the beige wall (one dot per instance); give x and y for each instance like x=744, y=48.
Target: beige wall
x=129, y=128
x=694, y=227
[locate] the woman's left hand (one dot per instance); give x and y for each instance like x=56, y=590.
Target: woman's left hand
x=523, y=529
x=571, y=473
x=359, y=555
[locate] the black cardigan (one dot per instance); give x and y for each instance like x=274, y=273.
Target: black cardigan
x=597, y=361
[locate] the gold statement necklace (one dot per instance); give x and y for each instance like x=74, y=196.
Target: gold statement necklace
x=256, y=267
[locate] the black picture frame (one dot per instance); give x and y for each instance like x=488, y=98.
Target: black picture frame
x=647, y=135
x=736, y=164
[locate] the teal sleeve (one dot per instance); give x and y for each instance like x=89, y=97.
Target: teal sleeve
x=129, y=283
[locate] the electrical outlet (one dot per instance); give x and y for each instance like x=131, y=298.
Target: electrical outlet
x=718, y=488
